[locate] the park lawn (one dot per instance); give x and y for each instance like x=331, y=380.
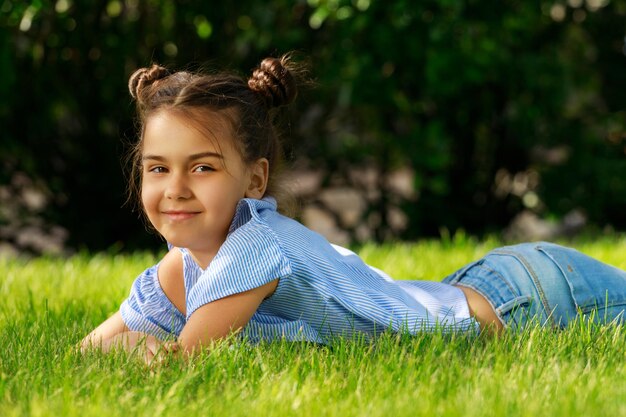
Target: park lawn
x=48, y=305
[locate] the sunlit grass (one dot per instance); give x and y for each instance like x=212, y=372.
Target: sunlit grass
x=49, y=304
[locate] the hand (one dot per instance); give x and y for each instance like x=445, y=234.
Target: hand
x=148, y=347
x=164, y=353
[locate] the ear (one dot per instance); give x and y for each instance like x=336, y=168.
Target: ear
x=259, y=174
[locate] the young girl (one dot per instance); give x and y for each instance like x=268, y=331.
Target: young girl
x=205, y=169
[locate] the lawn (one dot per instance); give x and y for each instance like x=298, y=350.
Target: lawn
x=48, y=305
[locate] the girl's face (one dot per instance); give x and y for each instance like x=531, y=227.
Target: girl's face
x=190, y=184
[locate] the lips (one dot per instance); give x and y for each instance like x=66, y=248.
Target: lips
x=180, y=215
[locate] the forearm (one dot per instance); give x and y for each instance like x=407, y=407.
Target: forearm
x=127, y=340
x=107, y=330
x=113, y=332
x=148, y=347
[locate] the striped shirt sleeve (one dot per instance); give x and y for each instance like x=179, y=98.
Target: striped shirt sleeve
x=249, y=258
x=147, y=309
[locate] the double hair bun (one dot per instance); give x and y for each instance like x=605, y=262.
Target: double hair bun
x=272, y=81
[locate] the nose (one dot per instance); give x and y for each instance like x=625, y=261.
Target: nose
x=177, y=187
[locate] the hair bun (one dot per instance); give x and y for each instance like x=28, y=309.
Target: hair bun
x=274, y=82
x=144, y=77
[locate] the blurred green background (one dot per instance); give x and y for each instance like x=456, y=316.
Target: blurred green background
x=492, y=109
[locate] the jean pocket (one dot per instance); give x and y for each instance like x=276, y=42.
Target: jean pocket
x=594, y=285
x=517, y=312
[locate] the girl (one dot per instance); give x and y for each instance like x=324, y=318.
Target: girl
x=205, y=169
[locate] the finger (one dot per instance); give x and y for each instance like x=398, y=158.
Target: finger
x=148, y=357
x=171, y=346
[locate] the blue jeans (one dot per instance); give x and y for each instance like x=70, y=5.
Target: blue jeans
x=546, y=284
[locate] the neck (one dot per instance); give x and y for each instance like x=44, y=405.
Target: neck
x=203, y=259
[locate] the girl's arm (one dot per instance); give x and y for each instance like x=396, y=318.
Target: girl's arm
x=214, y=320
x=219, y=318
x=110, y=328
x=113, y=333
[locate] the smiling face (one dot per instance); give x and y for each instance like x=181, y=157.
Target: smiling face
x=191, y=184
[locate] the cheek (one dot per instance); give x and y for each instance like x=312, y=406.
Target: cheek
x=149, y=198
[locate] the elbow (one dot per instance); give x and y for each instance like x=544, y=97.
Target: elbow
x=186, y=347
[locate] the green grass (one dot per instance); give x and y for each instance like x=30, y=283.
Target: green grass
x=48, y=305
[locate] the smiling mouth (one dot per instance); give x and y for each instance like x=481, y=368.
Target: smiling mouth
x=180, y=215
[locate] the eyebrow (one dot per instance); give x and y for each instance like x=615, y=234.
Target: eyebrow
x=192, y=157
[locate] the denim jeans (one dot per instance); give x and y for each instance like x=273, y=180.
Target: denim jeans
x=546, y=284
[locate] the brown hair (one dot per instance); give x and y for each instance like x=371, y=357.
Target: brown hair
x=250, y=105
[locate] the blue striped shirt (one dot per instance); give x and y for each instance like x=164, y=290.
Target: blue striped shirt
x=324, y=291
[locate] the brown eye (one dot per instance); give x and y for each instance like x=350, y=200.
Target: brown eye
x=204, y=168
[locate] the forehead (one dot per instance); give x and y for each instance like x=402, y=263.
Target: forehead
x=199, y=128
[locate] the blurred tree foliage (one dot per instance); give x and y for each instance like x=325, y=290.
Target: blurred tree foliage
x=495, y=106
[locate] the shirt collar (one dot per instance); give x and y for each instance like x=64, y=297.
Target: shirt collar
x=248, y=208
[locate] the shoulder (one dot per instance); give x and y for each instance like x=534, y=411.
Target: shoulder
x=172, y=264
x=261, y=235
x=171, y=278
x=253, y=247
x=253, y=231
x=254, y=215
x=251, y=258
